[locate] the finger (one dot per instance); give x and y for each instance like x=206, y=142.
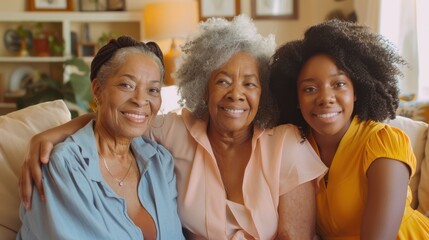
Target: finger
x=45, y=151
x=25, y=186
x=36, y=176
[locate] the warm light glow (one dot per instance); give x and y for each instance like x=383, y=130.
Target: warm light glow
x=170, y=20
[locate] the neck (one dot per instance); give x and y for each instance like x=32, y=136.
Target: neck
x=229, y=139
x=110, y=145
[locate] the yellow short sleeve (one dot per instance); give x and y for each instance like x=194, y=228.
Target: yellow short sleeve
x=393, y=143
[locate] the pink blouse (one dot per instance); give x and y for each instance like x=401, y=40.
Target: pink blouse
x=278, y=163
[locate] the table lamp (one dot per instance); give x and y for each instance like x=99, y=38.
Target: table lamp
x=170, y=20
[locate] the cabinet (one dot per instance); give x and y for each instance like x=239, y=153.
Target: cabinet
x=63, y=23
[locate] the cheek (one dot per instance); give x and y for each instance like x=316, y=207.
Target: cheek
x=256, y=98
x=155, y=105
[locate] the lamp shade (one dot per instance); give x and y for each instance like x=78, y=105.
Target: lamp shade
x=170, y=19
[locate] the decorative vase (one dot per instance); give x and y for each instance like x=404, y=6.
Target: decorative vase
x=41, y=47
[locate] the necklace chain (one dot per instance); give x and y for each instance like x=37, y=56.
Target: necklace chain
x=119, y=181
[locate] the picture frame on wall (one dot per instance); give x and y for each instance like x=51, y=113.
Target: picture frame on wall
x=92, y=5
x=50, y=5
x=218, y=8
x=274, y=9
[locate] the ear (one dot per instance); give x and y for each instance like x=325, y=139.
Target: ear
x=95, y=87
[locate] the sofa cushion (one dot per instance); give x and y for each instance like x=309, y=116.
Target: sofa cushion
x=417, y=131
x=16, y=129
x=417, y=110
x=424, y=183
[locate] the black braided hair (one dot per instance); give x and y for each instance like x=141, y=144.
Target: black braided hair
x=107, y=51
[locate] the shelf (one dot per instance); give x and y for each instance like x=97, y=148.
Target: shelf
x=71, y=16
x=63, y=23
x=32, y=59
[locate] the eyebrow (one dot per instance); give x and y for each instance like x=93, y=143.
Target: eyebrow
x=339, y=73
x=132, y=78
x=245, y=76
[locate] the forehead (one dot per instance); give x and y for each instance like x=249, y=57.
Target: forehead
x=242, y=59
x=139, y=62
x=319, y=64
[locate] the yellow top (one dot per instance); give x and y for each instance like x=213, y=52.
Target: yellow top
x=340, y=206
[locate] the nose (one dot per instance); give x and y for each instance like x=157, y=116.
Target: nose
x=326, y=96
x=140, y=97
x=236, y=93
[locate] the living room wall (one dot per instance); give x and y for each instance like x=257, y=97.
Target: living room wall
x=310, y=12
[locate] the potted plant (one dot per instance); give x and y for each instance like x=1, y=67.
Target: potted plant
x=40, y=41
x=75, y=90
x=46, y=43
x=25, y=38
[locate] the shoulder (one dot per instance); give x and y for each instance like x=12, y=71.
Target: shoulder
x=286, y=139
x=375, y=131
x=76, y=149
x=148, y=148
x=381, y=140
x=287, y=132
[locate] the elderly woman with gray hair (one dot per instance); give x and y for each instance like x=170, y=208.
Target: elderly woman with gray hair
x=238, y=176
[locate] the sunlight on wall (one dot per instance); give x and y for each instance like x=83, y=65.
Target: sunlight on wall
x=423, y=46
x=404, y=23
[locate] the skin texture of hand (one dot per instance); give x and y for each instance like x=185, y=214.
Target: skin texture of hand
x=294, y=223
x=31, y=171
x=387, y=191
x=40, y=149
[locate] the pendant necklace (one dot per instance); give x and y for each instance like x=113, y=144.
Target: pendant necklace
x=119, y=181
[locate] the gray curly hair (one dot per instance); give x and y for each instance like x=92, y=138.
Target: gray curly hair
x=212, y=46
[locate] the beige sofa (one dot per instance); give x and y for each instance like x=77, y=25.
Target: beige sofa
x=18, y=127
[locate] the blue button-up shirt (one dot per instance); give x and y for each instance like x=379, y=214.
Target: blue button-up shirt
x=81, y=205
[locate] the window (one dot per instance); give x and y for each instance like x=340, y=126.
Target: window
x=404, y=23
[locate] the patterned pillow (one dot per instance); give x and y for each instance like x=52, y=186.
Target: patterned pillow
x=417, y=110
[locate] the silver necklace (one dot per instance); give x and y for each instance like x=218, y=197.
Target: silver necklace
x=119, y=181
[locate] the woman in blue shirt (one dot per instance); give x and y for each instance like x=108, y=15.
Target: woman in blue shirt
x=105, y=181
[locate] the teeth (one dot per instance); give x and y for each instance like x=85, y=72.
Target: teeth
x=234, y=110
x=135, y=115
x=327, y=115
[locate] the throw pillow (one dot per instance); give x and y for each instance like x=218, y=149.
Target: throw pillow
x=16, y=130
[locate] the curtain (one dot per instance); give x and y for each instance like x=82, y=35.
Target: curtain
x=396, y=20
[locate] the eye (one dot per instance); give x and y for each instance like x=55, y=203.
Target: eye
x=340, y=84
x=309, y=89
x=126, y=85
x=154, y=91
x=251, y=84
x=222, y=82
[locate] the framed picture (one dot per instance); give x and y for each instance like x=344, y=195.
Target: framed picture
x=50, y=5
x=115, y=5
x=92, y=5
x=218, y=8
x=87, y=49
x=275, y=9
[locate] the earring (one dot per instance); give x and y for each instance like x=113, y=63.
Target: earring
x=94, y=105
